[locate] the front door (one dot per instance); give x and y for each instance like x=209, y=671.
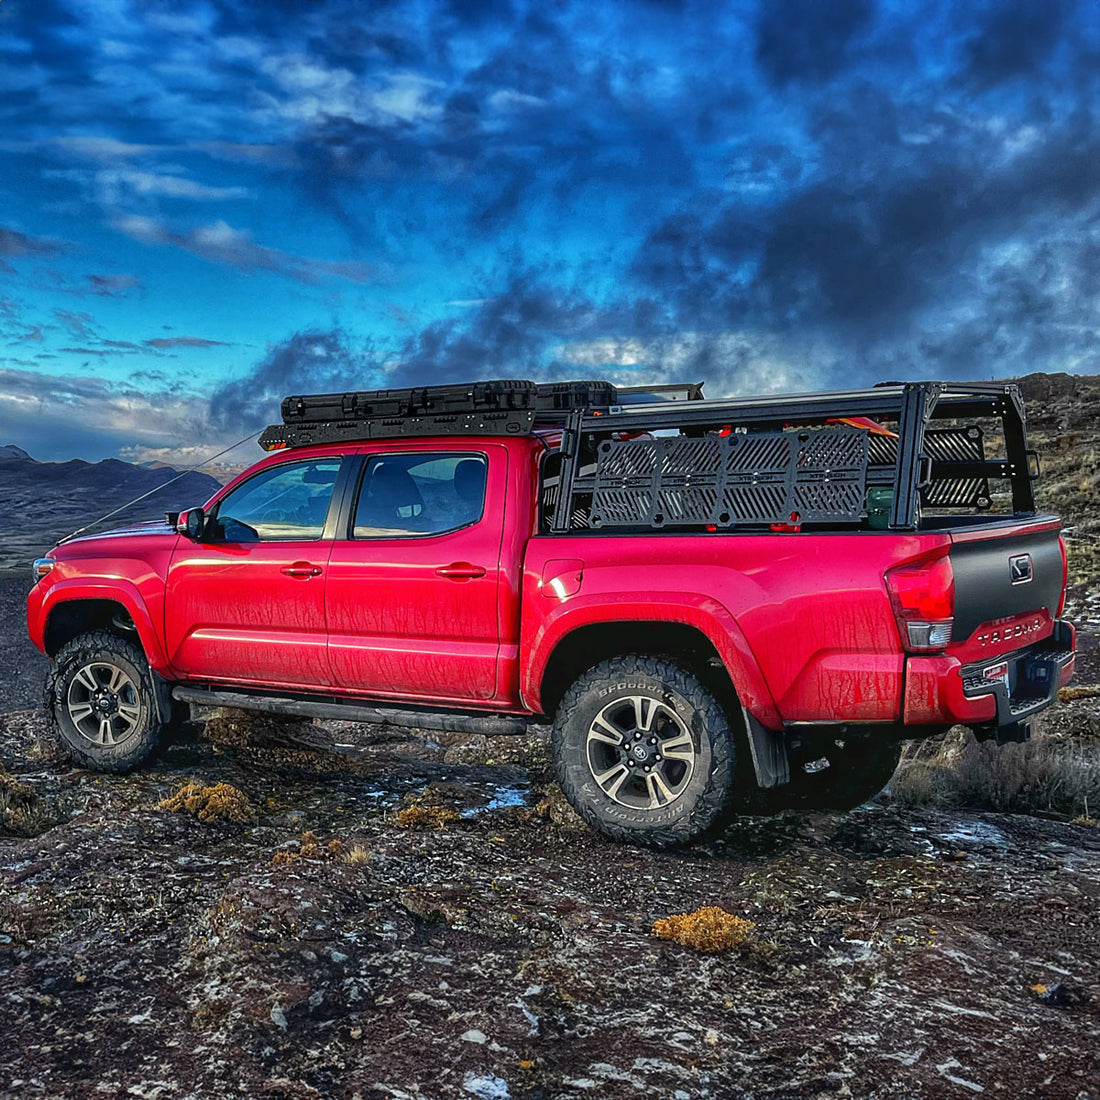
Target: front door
x=247, y=603
x=412, y=587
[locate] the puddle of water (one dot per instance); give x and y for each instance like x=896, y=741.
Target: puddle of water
x=503, y=798
x=975, y=832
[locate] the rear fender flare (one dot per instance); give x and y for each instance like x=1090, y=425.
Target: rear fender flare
x=703, y=613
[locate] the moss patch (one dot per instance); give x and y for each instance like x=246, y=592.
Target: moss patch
x=221, y=802
x=709, y=929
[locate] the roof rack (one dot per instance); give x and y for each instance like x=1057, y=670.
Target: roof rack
x=513, y=407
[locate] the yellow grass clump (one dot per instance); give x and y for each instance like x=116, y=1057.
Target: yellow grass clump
x=221, y=802
x=708, y=929
x=425, y=817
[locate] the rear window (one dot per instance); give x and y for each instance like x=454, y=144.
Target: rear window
x=404, y=496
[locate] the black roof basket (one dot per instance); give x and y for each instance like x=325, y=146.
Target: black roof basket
x=513, y=407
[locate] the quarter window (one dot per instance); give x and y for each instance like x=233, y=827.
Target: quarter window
x=420, y=494
x=287, y=502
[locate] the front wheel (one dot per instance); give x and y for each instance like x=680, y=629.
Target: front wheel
x=643, y=752
x=100, y=698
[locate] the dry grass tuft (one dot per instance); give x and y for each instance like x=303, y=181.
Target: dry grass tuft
x=708, y=929
x=357, y=855
x=22, y=812
x=1049, y=774
x=1078, y=691
x=309, y=847
x=426, y=817
x=221, y=802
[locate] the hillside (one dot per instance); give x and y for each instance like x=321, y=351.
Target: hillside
x=1063, y=417
x=41, y=502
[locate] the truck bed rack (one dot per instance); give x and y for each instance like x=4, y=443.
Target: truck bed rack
x=787, y=459
x=820, y=477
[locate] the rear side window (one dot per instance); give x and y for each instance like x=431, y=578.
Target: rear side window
x=420, y=494
x=283, y=503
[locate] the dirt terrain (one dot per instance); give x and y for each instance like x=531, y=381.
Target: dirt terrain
x=502, y=951
x=398, y=915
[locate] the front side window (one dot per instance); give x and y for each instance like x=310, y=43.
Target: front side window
x=420, y=494
x=285, y=502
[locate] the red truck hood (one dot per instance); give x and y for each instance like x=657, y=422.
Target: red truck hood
x=83, y=545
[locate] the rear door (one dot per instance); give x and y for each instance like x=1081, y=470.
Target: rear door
x=247, y=603
x=413, y=580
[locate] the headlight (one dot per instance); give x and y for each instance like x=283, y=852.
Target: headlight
x=41, y=567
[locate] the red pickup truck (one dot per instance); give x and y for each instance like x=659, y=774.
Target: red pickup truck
x=721, y=606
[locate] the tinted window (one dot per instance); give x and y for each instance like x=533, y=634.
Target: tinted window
x=421, y=494
x=284, y=502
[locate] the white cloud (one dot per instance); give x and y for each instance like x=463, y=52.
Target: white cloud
x=733, y=364
x=219, y=242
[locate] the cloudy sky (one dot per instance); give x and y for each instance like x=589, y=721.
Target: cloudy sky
x=206, y=204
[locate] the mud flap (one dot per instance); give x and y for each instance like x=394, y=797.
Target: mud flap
x=168, y=709
x=769, y=754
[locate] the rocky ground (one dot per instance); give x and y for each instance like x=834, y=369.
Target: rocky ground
x=491, y=947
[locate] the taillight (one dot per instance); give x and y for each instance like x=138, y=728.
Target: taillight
x=1065, y=576
x=923, y=597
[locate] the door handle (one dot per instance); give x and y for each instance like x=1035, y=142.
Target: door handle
x=303, y=570
x=460, y=571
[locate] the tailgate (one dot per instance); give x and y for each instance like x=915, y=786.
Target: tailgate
x=1009, y=580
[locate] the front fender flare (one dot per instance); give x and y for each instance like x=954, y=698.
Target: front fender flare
x=117, y=590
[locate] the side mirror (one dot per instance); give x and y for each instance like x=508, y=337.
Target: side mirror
x=191, y=523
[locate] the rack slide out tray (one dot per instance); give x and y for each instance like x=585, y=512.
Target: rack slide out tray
x=480, y=408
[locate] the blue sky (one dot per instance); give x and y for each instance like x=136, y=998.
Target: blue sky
x=207, y=205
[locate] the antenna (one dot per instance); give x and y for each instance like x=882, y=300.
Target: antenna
x=157, y=488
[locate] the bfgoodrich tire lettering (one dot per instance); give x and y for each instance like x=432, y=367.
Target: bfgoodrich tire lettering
x=643, y=752
x=99, y=696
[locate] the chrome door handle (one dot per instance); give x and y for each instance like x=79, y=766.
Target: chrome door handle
x=460, y=571
x=303, y=570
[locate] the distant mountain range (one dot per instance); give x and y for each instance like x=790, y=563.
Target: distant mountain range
x=110, y=482
x=41, y=502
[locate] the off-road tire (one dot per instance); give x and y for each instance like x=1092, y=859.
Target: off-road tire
x=102, y=651
x=859, y=768
x=705, y=797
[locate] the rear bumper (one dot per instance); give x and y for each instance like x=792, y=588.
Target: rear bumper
x=943, y=691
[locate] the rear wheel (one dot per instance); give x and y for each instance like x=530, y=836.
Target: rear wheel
x=100, y=697
x=643, y=752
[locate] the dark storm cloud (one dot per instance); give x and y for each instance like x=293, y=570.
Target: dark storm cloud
x=1013, y=38
x=15, y=245
x=113, y=286
x=806, y=40
x=506, y=336
x=316, y=361
x=76, y=323
x=163, y=342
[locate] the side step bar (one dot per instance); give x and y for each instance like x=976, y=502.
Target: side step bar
x=490, y=725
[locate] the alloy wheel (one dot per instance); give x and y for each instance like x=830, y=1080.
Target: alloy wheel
x=640, y=752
